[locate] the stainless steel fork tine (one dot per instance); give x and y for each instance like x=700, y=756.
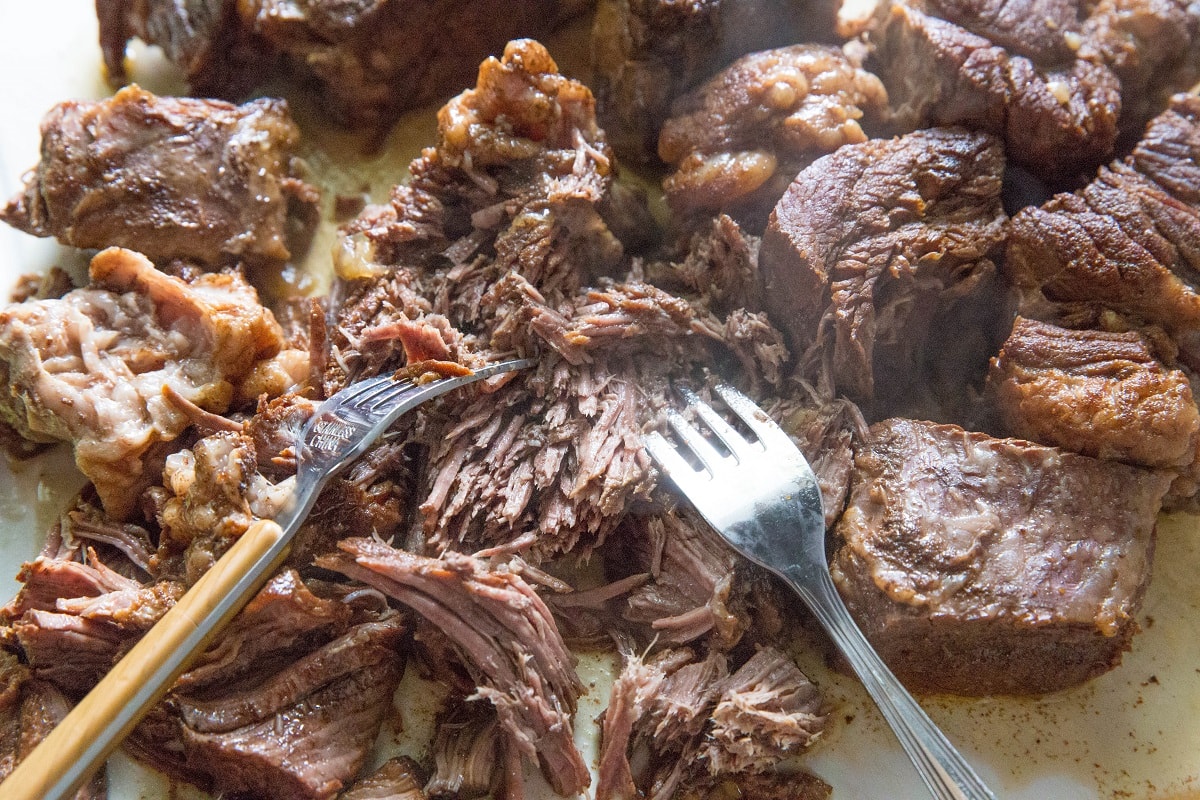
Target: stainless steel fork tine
x=754, y=417
x=673, y=465
x=725, y=433
x=695, y=441
x=387, y=390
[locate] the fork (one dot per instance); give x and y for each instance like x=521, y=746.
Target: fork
x=341, y=430
x=764, y=500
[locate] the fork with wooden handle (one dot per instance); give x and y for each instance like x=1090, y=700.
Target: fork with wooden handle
x=341, y=430
x=763, y=498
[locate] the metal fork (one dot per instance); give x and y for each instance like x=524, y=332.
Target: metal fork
x=763, y=498
x=341, y=430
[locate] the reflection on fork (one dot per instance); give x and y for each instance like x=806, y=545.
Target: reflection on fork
x=762, y=497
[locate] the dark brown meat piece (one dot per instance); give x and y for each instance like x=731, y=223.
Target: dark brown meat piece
x=1127, y=241
x=504, y=634
x=202, y=181
x=648, y=52
x=1097, y=393
x=465, y=755
x=29, y=710
x=91, y=368
x=369, y=59
x=979, y=565
x=396, y=779
x=879, y=251
x=1058, y=117
x=737, y=141
x=287, y=703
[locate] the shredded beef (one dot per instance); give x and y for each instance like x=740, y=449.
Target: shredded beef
x=464, y=755
x=90, y=368
x=396, y=779
x=504, y=634
x=979, y=565
x=173, y=178
x=879, y=267
x=702, y=725
x=287, y=702
x=738, y=140
x=29, y=710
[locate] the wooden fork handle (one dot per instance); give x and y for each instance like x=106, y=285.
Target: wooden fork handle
x=94, y=728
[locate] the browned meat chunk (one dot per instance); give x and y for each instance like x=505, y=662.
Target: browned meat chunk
x=396, y=779
x=1093, y=392
x=737, y=141
x=1128, y=240
x=368, y=59
x=504, y=634
x=1056, y=114
x=287, y=703
x=701, y=725
x=979, y=565
x=91, y=368
x=648, y=52
x=1151, y=45
x=174, y=178
x=882, y=249
x=29, y=710
x=464, y=755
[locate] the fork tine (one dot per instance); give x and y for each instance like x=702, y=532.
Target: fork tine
x=673, y=465
x=770, y=434
x=695, y=441
x=733, y=441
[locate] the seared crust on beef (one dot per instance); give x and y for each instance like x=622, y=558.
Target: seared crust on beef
x=881, y=249
x=1126, y=241
x=979, y=565
x=1057, y=117
x=1093, y=392
x=202, y=181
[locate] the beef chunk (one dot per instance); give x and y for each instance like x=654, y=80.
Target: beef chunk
x=648, y=52
x=464, y=755
x=368, y=60
x=878, y=251
x=701, y=725
x=1127, y=241
x=29, y=710
x=91, y=368
x=979, y=565
x=1056, y=115
x=287, y=702
x=1152, y=48
x=174, y=178
x=1093, y=392
x=73, y=617
x=504, y=634
x=738, y=140
x=396, y=779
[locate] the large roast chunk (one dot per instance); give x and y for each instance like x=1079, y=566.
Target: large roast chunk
x=174, y=178
x=1094, y=392
x=119, y=369
x=368, y=60
x=1127, y=241
x=979, y=565
x=883, y=249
